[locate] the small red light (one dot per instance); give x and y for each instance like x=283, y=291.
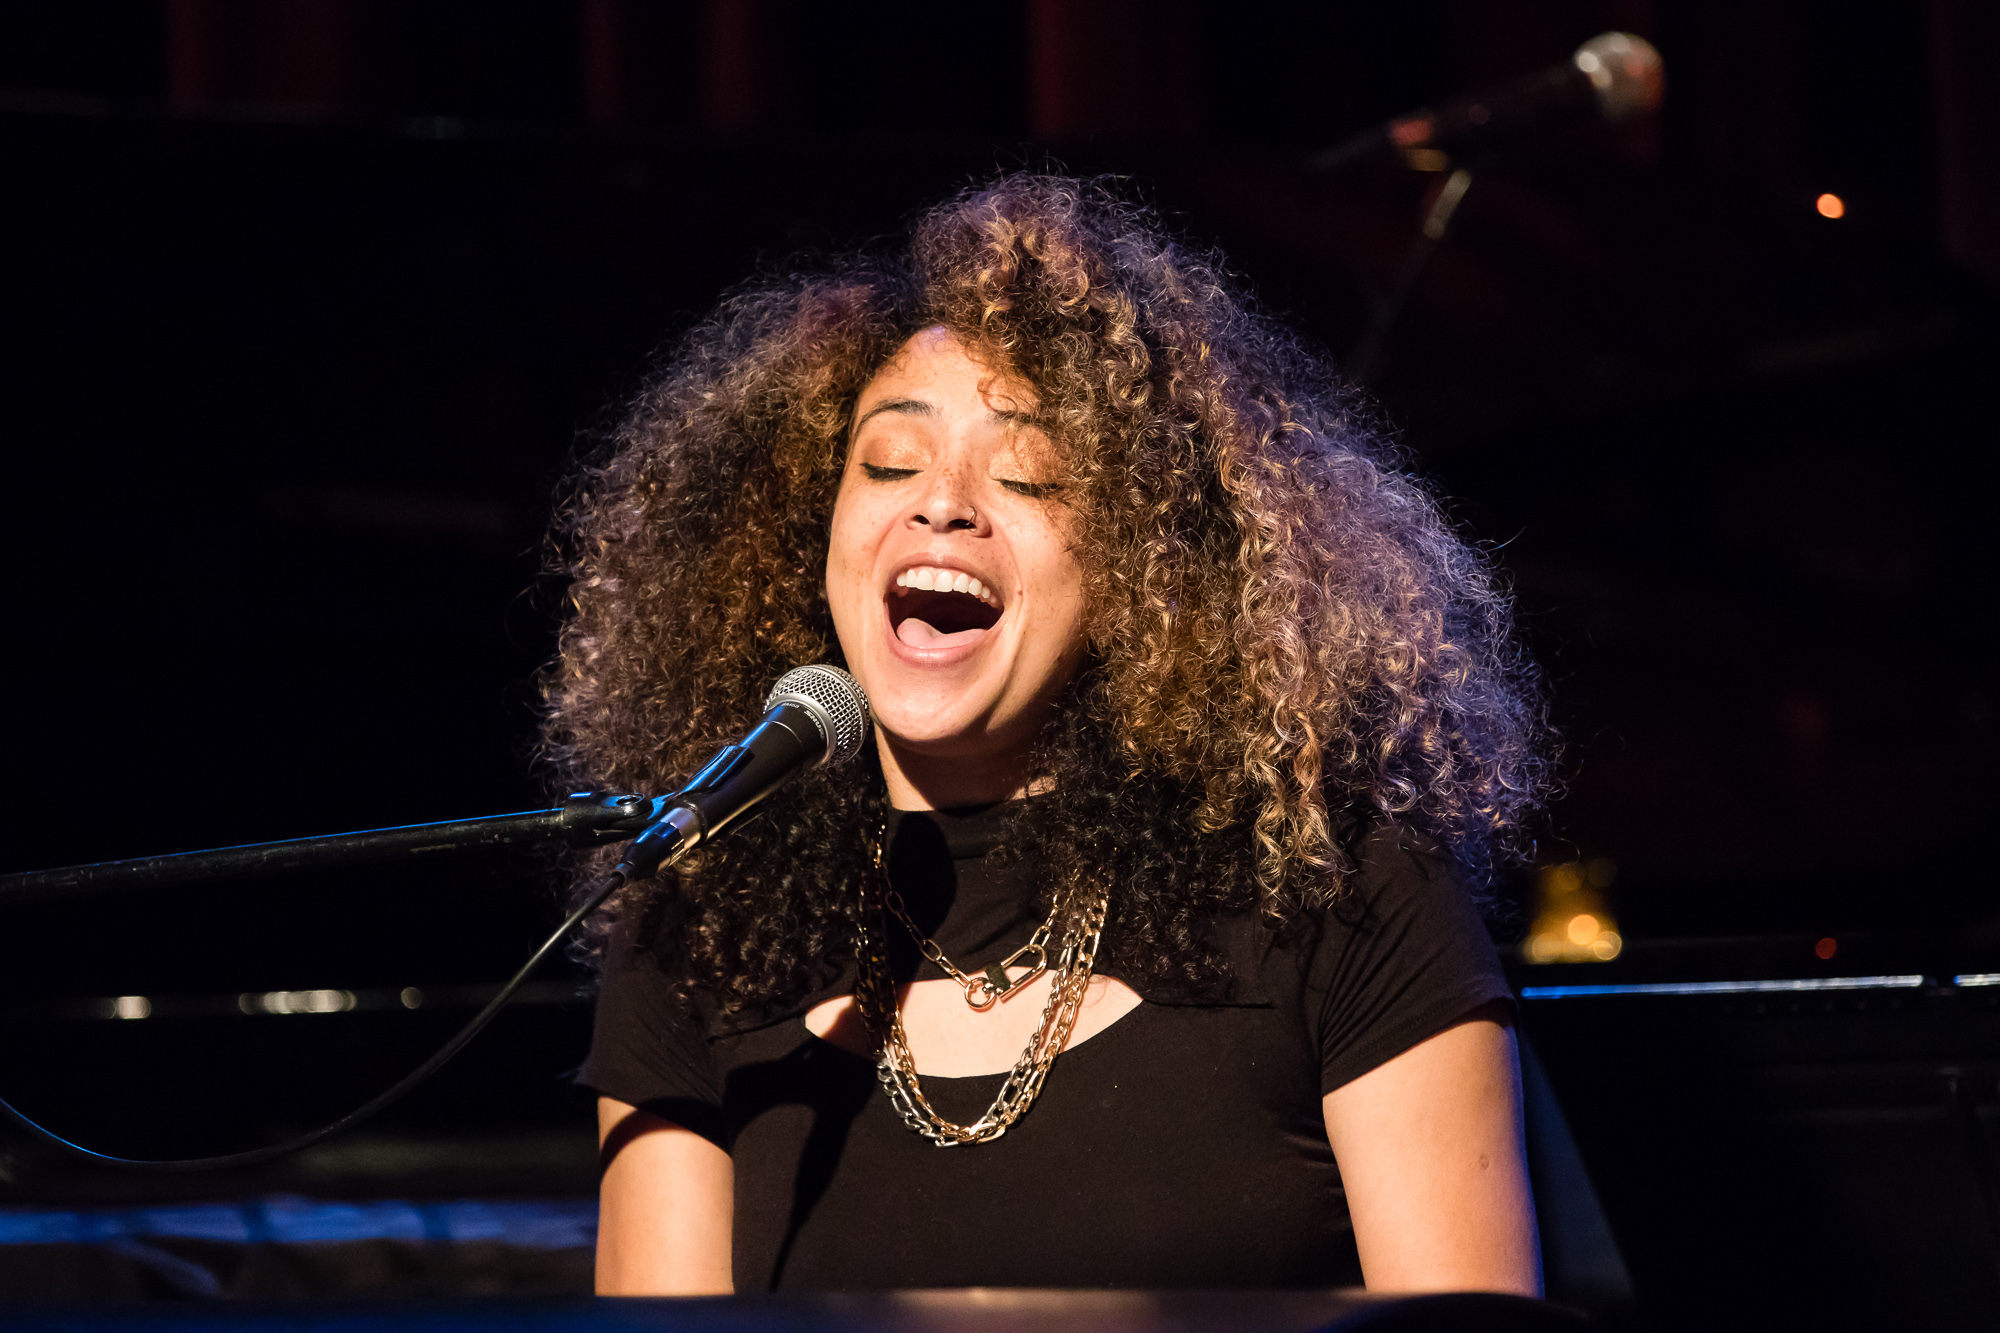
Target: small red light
x=1831, y=206
x=1827, y=947
x=1411, y=131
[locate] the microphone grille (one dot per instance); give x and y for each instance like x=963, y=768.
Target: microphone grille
x=835, y=701
x=1625, y=71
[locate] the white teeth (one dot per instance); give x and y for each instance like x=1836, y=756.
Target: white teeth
x=932, y=579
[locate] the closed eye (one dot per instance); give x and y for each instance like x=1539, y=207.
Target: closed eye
x=1034, y=490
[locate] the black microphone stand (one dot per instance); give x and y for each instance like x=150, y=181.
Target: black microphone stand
x=584, y=819
x=1366, y=361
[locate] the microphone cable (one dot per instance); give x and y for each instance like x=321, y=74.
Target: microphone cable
x=616, y=880
x=813, y=715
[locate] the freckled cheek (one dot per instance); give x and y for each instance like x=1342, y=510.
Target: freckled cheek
x=851, y=548
x=1076, y=607
x=1059, y=581
x=1062, y=575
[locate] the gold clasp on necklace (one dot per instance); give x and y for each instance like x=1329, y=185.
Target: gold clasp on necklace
x=982, y=991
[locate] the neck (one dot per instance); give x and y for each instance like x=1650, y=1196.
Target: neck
x=918, y=781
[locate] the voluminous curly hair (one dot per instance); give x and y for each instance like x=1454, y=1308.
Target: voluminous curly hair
x=1288, y=642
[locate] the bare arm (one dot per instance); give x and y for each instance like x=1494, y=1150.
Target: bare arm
x=1430, y=1148
x=666, y=1200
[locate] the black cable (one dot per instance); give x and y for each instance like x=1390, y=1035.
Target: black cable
x=387, y=1098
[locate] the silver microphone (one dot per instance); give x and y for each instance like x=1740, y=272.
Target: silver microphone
x=1616, y=74
x=814, y=715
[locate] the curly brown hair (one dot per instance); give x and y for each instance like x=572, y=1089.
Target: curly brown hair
x=1288, y=642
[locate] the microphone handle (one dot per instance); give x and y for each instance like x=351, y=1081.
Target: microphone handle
x=730, y=785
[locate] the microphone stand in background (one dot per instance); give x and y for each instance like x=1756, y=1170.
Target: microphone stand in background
x=1365, y=362
x=1615, y=74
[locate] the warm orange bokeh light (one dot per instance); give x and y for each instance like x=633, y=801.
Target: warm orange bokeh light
x=1826, y=947
x=1831, y=206
x=1572, y=922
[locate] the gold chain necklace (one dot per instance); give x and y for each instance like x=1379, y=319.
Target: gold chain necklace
x=875, y=997
x=980, y=991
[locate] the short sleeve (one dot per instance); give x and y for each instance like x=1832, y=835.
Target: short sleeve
x=648, y=1046
x=1404, y=955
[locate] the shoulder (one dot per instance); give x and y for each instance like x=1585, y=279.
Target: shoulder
x=1399, y=955
x=1407, y=898
x=649, y=1044
x=1398, y=869
x=1403, y=888
x=635, y=983
x=644, y=987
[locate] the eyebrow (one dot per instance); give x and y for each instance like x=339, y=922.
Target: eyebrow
x=917, y=407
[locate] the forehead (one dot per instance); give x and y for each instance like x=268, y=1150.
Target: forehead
x=937, y=368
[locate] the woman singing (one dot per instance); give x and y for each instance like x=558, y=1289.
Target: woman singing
x=1140, y=949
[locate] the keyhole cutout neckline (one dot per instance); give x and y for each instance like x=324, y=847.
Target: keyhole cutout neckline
x=949, y=1039
x=978, y=912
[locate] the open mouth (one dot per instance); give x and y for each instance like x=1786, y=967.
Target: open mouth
x=940, y=608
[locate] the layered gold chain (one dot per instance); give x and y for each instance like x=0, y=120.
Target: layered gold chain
x=993, y=984
x=875, y=997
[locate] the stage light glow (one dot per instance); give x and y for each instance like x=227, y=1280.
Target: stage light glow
x=1831, y=206
x=297, y=1002
x=1827, y=947
x=411, y=997
x=1909, y=981
x=1572, y=919
x=132, y=1006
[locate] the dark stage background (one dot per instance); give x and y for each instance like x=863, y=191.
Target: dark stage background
x=309, y=302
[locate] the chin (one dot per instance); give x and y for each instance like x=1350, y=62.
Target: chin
x=931, y=717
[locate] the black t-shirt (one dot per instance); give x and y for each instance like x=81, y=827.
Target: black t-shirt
x=1184, y=1146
